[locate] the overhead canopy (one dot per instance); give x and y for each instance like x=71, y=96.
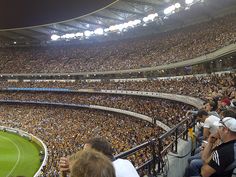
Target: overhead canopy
x=29, y=20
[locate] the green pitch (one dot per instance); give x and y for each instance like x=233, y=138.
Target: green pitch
x=18, y=156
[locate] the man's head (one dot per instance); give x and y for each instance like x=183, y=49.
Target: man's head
x=211, y=106
x=227, y=129
x=91, y=163
x=225, y=102
x=101, y=145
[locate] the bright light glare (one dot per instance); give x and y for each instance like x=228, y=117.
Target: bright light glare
x=69, y=35
x=188, y=1
x=88, y=33
x=55, y=37
x=145, y=19
x=106, y=30
x=150, y=17
x=177, y=5
x=169, y=10
x=98, y=31
x=79, y=34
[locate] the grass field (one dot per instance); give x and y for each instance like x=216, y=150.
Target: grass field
x=18, y=156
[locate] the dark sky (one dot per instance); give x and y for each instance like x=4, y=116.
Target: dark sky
x=23, y=13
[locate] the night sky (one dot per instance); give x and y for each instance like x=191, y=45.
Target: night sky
x=23, y=13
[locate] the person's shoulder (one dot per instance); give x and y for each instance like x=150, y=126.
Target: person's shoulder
x=212, y=118
x=122, y=161
x=124, y=168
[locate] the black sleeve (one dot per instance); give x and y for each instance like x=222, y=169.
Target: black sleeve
x=219, y=160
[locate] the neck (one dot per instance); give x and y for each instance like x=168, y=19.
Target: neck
x=231, y=138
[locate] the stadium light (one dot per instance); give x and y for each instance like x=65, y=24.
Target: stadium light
x=55, y=37
x=177, y=5
x=99, y=31
x=188, y=1
x=145, y=19
x=79, y=34
x=68, y=36
x=106, y=30
x=88, y=33
x=150, y=17
x=169, y=10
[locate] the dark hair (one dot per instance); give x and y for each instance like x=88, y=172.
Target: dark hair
x=229, y=113
x=102, y=145
x=201, y=113
x=213, y=104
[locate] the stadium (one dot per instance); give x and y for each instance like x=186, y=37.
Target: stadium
x=154, y=78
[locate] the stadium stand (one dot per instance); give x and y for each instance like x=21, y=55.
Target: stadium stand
x=65, y=130
x=154, y=50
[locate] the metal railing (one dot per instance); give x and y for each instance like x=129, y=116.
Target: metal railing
x=156, y=164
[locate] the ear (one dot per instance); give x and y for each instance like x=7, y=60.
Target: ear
x=226, y=129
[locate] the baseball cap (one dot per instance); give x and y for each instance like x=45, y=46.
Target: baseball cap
x=226, y=101
x=228, y=122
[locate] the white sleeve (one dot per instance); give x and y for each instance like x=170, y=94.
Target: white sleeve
x=207, y=123
x=124, y=168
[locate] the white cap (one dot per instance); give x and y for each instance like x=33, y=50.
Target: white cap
x=233, y=103
x=228, y=122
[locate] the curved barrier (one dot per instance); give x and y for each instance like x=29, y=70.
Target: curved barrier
x=32, y=138
x=196, y=102
x=133, y=114
x=180, y=98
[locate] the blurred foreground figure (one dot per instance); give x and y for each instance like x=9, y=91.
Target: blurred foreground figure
x=90, y=163
x=123, y=167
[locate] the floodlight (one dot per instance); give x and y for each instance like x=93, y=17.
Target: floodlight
x=99, y=31
x=120, y=27
x=69, y=35
x=145, y=19
x=88, y=33
x=55, y=37
x=79, y=34
x=188, y=1
x=106, y=30
x=177, y=5
x=169, y=10
x=137, y=21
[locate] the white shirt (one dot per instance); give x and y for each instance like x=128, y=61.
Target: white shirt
x=124, y=168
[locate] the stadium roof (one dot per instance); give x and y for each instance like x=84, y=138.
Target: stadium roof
x=36, y=21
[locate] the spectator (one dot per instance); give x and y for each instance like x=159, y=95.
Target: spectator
x=90, y=163
x=122, y=167
x=223, y=155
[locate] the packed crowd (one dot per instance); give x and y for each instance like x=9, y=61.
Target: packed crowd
x=64, y=131
x=154, y=50
x=77, y=125
x=166, y=111
x=198, y=86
